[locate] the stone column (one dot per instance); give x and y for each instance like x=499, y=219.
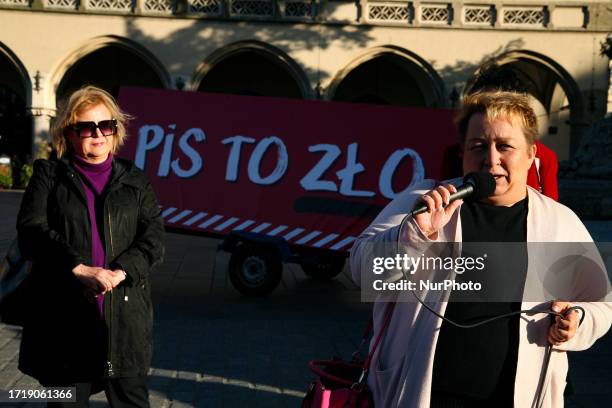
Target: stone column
x=41, y=123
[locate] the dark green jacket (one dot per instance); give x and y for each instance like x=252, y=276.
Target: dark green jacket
x=64, y=338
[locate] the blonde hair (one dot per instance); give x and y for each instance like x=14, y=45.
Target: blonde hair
x=81, y=100
x=510, y=106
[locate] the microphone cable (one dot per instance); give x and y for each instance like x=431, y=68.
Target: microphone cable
x=538, y=397
x=552, y=313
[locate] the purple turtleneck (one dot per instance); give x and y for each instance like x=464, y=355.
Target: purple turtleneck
x=95, y=177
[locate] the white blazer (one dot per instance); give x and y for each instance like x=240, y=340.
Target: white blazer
x=403, y=364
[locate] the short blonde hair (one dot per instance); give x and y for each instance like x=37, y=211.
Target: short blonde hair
x=83, y=99
x=510, y=106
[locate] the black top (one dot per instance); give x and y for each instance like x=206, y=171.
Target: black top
x=478, y=365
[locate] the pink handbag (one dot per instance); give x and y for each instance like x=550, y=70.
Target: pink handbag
x=343, y=384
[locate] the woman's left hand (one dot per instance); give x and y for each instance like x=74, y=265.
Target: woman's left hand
x=118, y=277
x=91, y=294
x=565, y=327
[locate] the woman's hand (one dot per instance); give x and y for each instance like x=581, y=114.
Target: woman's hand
x=439, y=212
x=118, y=277
x=565, y=327
x=91, y=294
x=98, y=279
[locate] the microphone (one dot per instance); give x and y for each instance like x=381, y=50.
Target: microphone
x=477, y=185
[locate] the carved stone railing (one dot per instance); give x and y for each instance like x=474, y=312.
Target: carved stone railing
x=484, y=13
x=160, y=7
x=479, y=15
x=251, y=8
x=120, y=6
x=525, y=16
x=435, y=13
x=393, y=12
x=497, y=14
x=204, y=7
x=15, y=3
x=298, y=9
x=61, y=4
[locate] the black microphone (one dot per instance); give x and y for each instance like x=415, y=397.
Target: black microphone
x=476, y=185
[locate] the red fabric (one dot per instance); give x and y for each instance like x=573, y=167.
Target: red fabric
x=549, y=166
x=451, y=167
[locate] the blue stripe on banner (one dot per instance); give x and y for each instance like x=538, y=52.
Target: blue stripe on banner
x=294, y=233
x=195, y=218
x=325, y=240
x=244, y=225
x=168, y=211
x=247, y=223
x=210, y=221
x=179, y=216
x=276, y=230
x=226, y=224
x=308, y=237
x=261, y=227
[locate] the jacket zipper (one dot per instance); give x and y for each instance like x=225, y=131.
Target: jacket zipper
x=110, y=232
x=109, y=364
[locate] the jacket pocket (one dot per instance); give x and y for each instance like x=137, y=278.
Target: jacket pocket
x=387, y=380
x=133, y=331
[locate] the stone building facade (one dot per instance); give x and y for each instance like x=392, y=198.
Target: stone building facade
x=406, y=53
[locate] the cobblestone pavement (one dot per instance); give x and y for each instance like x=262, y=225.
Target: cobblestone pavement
x=215, y=348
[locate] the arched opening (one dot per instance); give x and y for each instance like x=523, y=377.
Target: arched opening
x=109, y=67
x=556, y=100
x=252, y=68
x=388, y=76
x=250, y=73
x=15, y=122
x=551, y=104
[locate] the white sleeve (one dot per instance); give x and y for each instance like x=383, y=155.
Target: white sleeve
x=381, y=237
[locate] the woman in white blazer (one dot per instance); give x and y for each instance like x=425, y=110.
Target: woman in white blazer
x=416, y=365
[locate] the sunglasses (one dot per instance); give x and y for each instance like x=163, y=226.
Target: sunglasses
x=88, y=129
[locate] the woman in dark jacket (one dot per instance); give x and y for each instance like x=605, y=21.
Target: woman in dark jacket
x=91, y=225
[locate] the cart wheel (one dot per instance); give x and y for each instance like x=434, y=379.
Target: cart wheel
x=255, y=270
x=324, y=267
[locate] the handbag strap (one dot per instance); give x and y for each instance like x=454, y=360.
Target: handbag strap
x=383, y=329
x=368, y=360
x=364, y=339
x=368, y=329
